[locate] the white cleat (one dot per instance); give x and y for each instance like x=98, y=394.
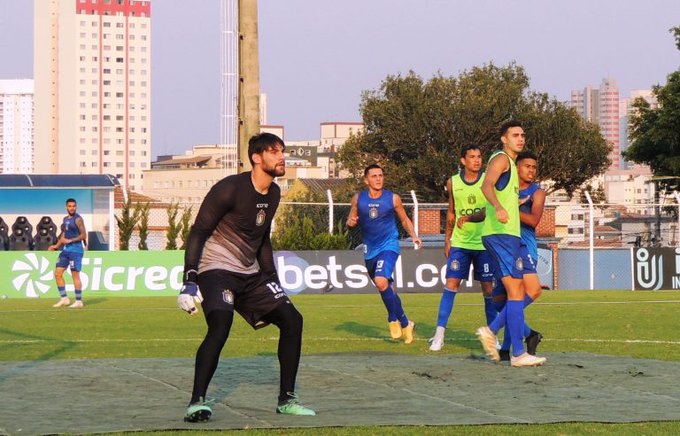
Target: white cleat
x=77, y=305
x=62, y=302
x=527, y=359
x=488, y=340
x=436, y=342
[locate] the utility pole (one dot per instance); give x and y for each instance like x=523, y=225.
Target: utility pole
x=249, y=80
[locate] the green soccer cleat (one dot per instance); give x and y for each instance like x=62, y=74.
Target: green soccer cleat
x=292, y=406
x=199, y=412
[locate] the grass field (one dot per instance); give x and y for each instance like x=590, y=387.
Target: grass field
x=638, y=324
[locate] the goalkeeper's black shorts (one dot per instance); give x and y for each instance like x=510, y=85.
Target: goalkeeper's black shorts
x=252, y=295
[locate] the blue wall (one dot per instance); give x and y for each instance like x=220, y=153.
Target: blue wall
x=612, y=269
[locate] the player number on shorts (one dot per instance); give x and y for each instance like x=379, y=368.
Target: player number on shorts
x=275, y=288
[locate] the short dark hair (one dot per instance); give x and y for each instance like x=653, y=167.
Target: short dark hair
x=467, y=147
x=509, y=124
x=264, y=141
x=71, y=200
x=526, y=154
x=371, y=167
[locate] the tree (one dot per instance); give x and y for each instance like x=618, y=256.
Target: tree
x=143, y=226
x=174, y=228
x=415, y=129
x=186, y=226
x=127, y=222
x=655, y=132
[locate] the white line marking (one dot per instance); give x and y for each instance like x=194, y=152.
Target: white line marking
x=325, y=339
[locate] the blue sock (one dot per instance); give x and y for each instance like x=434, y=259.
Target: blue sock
x=500, y=321
x=79, y=294
x=388, y=298
x=399, y=311
x=515, y=325
x=489, y=309
x=446, y=306
x=62, y=291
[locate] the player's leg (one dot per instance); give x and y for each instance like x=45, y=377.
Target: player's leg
x=457, y=269
x=264, y=302
x=386, y=270
x=289, y=321
x=62, y=264
x=484, y=274
x=533, y=290
x=386, y=295
x=218, y=308
x=76, y=265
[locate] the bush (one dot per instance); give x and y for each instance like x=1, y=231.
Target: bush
x=300, y=234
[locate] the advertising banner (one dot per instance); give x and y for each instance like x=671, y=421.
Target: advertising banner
x=30, y=274
x=656, y=268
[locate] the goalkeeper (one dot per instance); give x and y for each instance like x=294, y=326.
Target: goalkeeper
x=229, y=257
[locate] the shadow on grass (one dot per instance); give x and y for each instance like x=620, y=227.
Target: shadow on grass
x=365, y=330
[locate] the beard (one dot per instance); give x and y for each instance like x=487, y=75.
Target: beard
x=275, y=171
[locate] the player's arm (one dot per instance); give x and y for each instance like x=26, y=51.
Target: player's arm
x=497, y=166
x=265, y=255
x=82, y=233
x=476, y=217
x=532, y=219
x=405, y=220
x=353, y=217
x=450, y=218
x=217, y=203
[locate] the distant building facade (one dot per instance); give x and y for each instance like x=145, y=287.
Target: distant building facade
x=92, y=64
x=16, y=127
x=601, y=106
x=187, y=178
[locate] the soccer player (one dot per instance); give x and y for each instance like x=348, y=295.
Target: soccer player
x=463, y=246
x=501, y=237
x=70, y=241
x=532, y=201
x=375, y=209
x=229, y=265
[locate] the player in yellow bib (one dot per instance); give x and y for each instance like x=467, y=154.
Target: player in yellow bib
x=501, y=237
x=464, y=246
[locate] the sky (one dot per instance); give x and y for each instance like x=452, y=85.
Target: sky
x=318, y=56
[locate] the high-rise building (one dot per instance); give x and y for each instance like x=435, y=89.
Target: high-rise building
x=92, y=72
x=16, y=126
x=625, y=110
x=601, y=106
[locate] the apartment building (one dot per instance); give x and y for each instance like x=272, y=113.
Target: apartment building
x=16, y=127
x=92, y=72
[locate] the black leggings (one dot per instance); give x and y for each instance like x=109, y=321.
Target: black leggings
x=285, y=316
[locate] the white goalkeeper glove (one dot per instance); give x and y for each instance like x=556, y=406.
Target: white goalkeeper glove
x=188, y=297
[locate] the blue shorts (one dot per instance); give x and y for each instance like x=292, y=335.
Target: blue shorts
x=382, y=265
x=70, y=259
x=460, y=259
x=507, y=254
x=528, y=267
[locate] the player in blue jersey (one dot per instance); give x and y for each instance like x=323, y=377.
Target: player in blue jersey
x=464, y=246
x=70, y=241
x=532, y=201
x=375, y=210
x=501, y=237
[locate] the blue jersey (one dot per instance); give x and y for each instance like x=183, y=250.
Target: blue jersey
x=70, y=229
x=527, y=232
x=378, y=225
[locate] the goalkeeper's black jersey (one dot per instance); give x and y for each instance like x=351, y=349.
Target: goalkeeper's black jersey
x=232, y=228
